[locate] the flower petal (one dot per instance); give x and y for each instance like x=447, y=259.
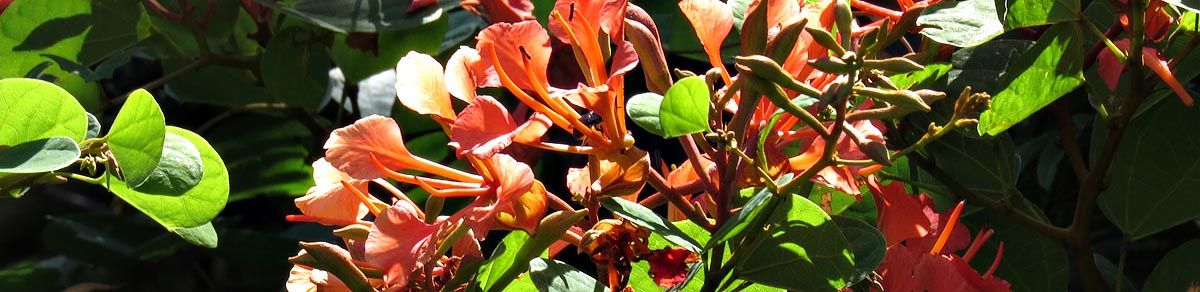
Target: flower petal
x=712, y=21
x=465, y=72
x=900, y=214
x=513, y=47
x=420, y=86
x=350, y=148
x=483, y=129
x=400, y=242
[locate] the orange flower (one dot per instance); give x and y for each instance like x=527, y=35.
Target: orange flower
x=330, y=202
x=1110, y=69
x=927, y=263
x=842, y=178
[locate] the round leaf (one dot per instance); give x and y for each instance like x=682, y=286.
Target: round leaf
x=643, y=110
x=35, y=109
x=179, y=169
x=684, y=109
x=137, y=136
x=961, y=23
x=43, y=155
x=195, y=207
x=803, y=250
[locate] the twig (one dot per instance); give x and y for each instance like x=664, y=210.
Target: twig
x=1067, y=140
x=659, y=183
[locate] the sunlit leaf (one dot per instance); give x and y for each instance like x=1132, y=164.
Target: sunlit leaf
x=203, y=235
x=197, y=206
x=645, y=217
x=1023, y=13
x=1052, y=68
x=513, y=255
x=553, y=275
x=643, y=110
x=35, y=109
x=179, y=168
x=357, y=15
x=961, y=23
x=136, y=138
x=685, y=107
x=42, y=155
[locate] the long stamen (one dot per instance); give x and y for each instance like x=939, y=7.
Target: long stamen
x=524, y=97
x=364, y=198
x=591, y=52
x=995, y=262
x=300, y=218
x=468, y=192
x=561, y=107
x=573, y=149
x=946, y=230
x=975, y=245
x=412, y=179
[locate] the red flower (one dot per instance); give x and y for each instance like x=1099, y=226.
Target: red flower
x=669, y=266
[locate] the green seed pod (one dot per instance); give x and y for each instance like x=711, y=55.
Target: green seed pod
x=825, y=39
x=902, y=98
x=844, y=19
x=831, y=65
x=893, y=65
x=767, y=69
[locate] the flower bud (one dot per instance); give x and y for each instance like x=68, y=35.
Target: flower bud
x=901, y=98
x=831, y=65
x=893, y=65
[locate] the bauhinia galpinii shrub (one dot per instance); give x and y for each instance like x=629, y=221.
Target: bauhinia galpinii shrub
x=805, y=107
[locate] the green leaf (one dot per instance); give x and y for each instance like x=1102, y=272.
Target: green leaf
x=553, y=275
x=643, y=110
x=179, y=168
x=983, y=67
x=1052, y=68
x=271, y=160
x=645, y=217
x=966, y=23
x=685, y=107
x=193, y=208
x=923, y=79
x=30, y=277
x=137, y=136
x=1023, y=13
x=346, y=16
x=868, y=245
x=35, y=109
x=357, y=65
x=751, y=212
x=1031, y=261
x=1155, y=172
x=43, y=155
x=203, y=235
x=295, y=68
x=238, y=87
x=93, y=127
x=1177, y=270
x=338, y=262
x=1190, y=5
x=512, y=257
x=802, y=250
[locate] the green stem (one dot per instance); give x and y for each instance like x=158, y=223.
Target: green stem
x=1107, y=42
x=80, y=177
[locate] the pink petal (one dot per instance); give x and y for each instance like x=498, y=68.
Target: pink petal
x=463, y=73
x=712, y=21
x=350, y=148
x=483, y=129
x=400, y=242
x=514, y=48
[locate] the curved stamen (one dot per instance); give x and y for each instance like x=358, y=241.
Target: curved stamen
x=524, y=97
x=363, y=197
x=995, y=262
x=975, y=245
x=450, y=193
x=946, y=230
x=412, y=179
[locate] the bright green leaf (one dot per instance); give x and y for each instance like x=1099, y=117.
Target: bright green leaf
x=1155, y=172
x=966, y=23
x=924, y=79
x=179, y=168
x=868, y=245
x=203, y=235
x=751, y=212
x=1052, y=68
x=136, y=138
x=802, y=250
x=643, y=110
x=553, y=275
x=35, y=109
x=1023, y=13
x=512, y=257
x=193, y=208
x=43, y=155
x=685, y=107
x=645, y=217
x=1177, y=270
x=346, y=16
x=295, y=68
x=1190, y=5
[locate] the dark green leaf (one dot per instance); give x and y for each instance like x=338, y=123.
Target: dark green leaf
x=750, y=212
x=179, y=168
x=985, y=166
x=1031, y=261
x=137, y=136
x=553, y=275
x=1155, y=172
x=1052, y=68
x=966, y=23
x=30, y=277
x=271, y=160
x=357, y=64
x=357, y=15
x=295, y=68
x=983, y=67
x=42, y=155
x=193, y=208
x=868, y=245
x=1177, y=270
x=685, y=107
x=35, y=109
x=512, y=257
x=645, y=217
x=203, y=235
x=1109, y=273
x=238, y=87
x=643, y=110
x=1023, y=13
x=802, y=250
